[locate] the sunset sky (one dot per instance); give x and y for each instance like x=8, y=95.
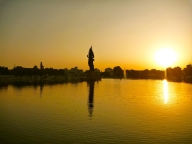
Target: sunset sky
x=122, y=32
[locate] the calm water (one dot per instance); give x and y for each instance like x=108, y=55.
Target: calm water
x=110, y=111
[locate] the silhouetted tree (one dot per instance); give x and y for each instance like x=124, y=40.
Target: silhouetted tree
x=174, y=74
x=18, y=70
x=4, y=70
x=117, y=72
x=35, y=70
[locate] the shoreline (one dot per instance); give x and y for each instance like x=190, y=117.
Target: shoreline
x=37, y=80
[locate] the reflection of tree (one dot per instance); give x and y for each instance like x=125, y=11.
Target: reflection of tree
x=4, y=87
x=41, y=89
x=35, y=86
x=91, y=97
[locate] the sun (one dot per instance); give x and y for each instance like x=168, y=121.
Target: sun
x=165, y=57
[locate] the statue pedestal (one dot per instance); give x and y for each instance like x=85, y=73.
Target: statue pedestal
x=91, y=75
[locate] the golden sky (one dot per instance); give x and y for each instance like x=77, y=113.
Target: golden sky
x=122, y=32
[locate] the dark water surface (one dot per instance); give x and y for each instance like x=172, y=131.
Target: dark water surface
x=110, y=111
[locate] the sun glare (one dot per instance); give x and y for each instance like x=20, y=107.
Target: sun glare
x=165, y=57
x=166, y=96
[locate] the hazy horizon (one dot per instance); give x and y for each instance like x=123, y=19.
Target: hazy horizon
x=122, y=33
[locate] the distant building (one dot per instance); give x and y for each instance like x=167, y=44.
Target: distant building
x=174, y=74
x=133, y=74
x=145, y=74
x=41, y=66
x=187, y=73
x=156, y=74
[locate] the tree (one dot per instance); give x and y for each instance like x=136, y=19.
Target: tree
x=117, y=72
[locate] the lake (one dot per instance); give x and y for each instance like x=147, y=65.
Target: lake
x=108, y=111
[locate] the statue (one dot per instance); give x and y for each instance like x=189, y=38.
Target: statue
x=91, y=59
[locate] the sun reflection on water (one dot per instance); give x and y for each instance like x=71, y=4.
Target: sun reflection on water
x=165, y=91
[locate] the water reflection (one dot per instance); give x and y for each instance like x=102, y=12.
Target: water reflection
x=35, y=87
x=91, y=97
x=41, y=89
x=126, y=111
x=3, y=88
x=165, y=91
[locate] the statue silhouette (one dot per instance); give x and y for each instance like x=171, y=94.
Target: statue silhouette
x=91, y=59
